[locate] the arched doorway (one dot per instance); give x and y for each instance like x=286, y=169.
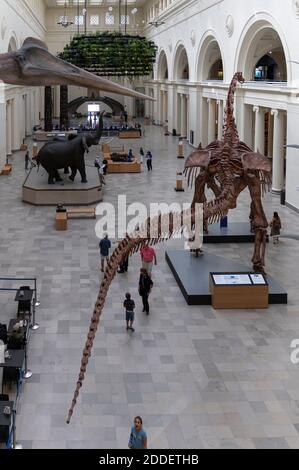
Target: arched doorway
x=181, y=73
x=116, y=107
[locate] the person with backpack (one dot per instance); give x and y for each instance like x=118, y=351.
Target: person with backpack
x=275, y=226
x=148, y=256
x=129, y=306
x=145, y=287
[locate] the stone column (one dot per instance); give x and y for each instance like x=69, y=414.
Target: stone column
x=183, y=116
x=28, y=115
x=64, y=112
x=220, y=119
x=48, y=109
x=188, y=116
x=278, y=152
x=8, y=128
x=270, y=135
x=212, y=121
x=161, y=107
x=259, y=141
x=165, y=107
x=179, y=112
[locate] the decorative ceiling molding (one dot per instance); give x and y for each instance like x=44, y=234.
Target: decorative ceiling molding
x=193, y=38
x=230, y=26
x=3, y=27
x=296, y=8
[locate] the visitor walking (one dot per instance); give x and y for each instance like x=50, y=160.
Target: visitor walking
x=148, y=256
x=124, y=266
x=105, y=246
x=149, y=161
x=27, y=160
x=130, y=156
x=141, y=154
x=138, y=437
x=129, y=306
x=275, y=226
x=105, y=166
x=145, y=287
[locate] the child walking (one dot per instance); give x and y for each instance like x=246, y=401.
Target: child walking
x=129, y=306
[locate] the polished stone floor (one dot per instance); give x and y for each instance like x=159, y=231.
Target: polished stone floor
x=199, y=378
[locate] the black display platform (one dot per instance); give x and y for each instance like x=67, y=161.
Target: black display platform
x=192, y=276
x=236, y=232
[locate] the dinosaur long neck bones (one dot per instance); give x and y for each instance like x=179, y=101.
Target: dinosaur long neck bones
x=155, y=230
x=230, y=132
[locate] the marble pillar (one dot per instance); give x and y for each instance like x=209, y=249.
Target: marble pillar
x=259, y=141
x=278, y=151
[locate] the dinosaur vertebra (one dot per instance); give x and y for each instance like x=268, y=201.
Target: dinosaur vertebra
x=227, y=167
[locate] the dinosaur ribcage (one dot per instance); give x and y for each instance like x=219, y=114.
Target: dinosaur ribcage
x=219, y=207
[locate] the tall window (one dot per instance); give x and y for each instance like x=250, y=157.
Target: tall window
x=125, y=19
x=109, y=19
x=79, y=20
x=94, y=20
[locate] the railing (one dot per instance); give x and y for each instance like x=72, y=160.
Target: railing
x=24, y=372
x=34, y=325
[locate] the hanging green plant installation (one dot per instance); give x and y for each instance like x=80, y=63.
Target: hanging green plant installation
x=111, y=54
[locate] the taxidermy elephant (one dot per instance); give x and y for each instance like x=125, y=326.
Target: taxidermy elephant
x=57, y=155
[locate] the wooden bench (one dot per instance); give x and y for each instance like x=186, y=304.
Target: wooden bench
x=79, y=211
x=7, y=169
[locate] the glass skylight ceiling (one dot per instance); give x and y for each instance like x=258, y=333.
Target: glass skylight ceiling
x=73, y=3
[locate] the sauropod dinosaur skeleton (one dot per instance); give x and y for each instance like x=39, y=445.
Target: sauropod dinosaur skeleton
x=226, y=166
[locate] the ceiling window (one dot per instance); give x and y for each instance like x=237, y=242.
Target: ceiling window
x=109, y=19
x=94, y=20
x=79, y=20
x=125, y=19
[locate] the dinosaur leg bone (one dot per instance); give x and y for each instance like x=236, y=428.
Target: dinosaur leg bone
x=259, y=223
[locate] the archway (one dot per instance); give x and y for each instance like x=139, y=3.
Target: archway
x=210, y=61
x=181, y=73
x=162, y=67
x=12, y=46
x=116, y=107
x=262, y=56
x=181, y=64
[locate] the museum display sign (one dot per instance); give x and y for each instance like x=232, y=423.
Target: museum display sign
x=239, y=291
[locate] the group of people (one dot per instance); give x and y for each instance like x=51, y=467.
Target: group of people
x=148, y=258
x=148, y=157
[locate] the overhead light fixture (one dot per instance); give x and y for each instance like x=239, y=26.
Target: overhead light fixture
x=156, y=24
x=64, y=19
